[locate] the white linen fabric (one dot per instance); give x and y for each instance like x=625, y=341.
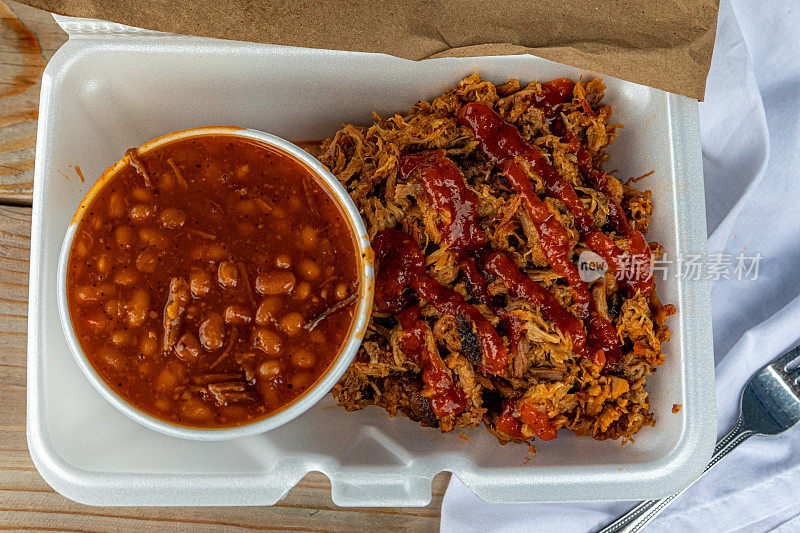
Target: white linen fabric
x=750, y=124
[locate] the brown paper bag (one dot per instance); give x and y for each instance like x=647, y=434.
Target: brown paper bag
x=666, y=44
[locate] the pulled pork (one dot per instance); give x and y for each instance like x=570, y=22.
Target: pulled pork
x=546, y=383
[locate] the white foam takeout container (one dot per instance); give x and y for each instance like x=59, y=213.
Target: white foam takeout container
x=111, y=87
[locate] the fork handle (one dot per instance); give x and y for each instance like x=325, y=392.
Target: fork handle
x=637, y=518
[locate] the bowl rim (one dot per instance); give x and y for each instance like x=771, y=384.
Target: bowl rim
x=335, y=370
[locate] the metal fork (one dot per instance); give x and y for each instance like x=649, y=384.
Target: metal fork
x=770, y=405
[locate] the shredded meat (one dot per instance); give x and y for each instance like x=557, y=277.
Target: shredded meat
x=174, y=310
x=558, y=387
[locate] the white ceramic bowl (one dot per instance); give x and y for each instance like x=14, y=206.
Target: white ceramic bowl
x=323, y=384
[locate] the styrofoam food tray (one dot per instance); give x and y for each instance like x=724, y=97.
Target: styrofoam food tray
x=110, y=88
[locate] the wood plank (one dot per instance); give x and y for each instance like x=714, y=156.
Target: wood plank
x=28, y=38
x=28, y=503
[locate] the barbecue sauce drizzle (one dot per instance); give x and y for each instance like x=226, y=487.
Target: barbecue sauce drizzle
x=503, y=145
x=445, y=397
x=446, y=190
x=401, y=264
x=637, y=273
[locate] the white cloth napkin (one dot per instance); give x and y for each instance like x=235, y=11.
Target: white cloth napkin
x=751, y=156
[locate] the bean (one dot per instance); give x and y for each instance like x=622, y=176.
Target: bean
x=97, y=222
x=147, y=262
x=270, y=369
x=308, y=237
x=114, y=308
x=187, y=348
x=309, y=269
x=208, y=252
x=83, y=244
x=267, y=341
x=116, y=205
x=302, y=291
x=120, y=338
x=138, y=307
x=151, y=237
x=162, y=404
x=283, y=261
x=300, y=381
x=237, y=315
x=140, y=213
x=87, y=293
x=268, y=393
x=291, y=323
x=195, y=409
x=199, y=282
x=341, y=291
x=126, y=277
x=212, y=332
x=142, y=195
x=96, y=321
x=172, y=218
x=228, y=274
x=148, y=344
x=166, y=380
x=275, y=282
x=124, y=237
x=103, y=264
x=112, y=358
x=303, y=358
x=268, y=310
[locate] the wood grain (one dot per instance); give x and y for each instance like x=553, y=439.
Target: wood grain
x=28, y=38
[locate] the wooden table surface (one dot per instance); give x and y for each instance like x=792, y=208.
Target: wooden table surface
x=28, y=38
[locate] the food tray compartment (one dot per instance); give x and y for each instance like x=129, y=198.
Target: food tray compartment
x=110, y=88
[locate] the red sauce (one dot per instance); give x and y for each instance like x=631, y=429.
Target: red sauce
x=476, y=281
x=525, y=288
x=503, y=145
x=636, y=268
x=517, y=412
x=445, y=397
x=397, y=261
x=400, y=265
x=446, y=190
x=538, y=421
x=553, y=237
x=414, y=332
x=507, y=423
x=554, y=93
